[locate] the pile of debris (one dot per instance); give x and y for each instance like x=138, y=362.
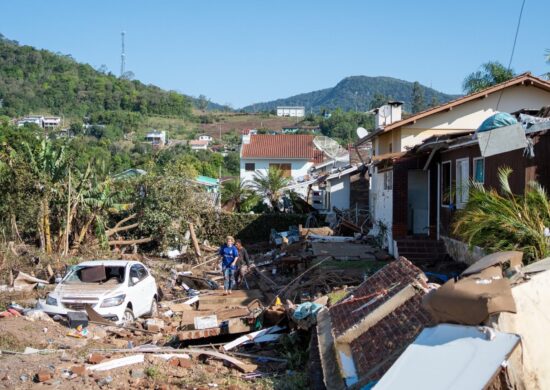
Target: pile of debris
x=484, y=329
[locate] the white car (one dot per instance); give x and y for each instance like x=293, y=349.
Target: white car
x=118, y=290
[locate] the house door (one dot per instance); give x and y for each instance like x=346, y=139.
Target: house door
x=418, y=202
x=286, y=168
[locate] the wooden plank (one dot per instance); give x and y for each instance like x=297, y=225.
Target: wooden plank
x=194, y=240
x=244, y=367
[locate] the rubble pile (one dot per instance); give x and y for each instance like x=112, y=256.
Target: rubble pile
x=195, y=331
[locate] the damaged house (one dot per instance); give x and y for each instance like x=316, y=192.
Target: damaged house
x=485, y=329
x=404, y=188
x=361, y=336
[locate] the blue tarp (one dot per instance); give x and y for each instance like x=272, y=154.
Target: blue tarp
x=500, y=119
x=306, y=309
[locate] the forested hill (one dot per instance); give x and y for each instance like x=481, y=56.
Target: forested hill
x=357, y=93
x=33, y=80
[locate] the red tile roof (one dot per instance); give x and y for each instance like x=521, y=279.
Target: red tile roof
x=374, y=351
x=283, y=146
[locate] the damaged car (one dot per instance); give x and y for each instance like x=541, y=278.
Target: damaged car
x=118, y=290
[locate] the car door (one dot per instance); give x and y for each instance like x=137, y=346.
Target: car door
x=135, y=291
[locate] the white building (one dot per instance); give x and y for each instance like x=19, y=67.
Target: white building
x=197, y=144
x=156, y=137
x=33, y=119
x=50, y=122
x=297, y=111
x=300, y=160
x=205, y=137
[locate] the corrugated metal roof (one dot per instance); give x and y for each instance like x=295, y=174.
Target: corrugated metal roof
x=292, y=146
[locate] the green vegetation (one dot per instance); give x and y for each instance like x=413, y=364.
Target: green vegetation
x=417, y=98
x=342, y=125
x=489, y=74
x=37, y=80
x=270, y=185
x=499, y=220
x=355, y=93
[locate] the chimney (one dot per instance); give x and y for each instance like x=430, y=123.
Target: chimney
x=246, y=138
x=387, y=114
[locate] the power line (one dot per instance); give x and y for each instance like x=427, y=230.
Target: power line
x=509, y=66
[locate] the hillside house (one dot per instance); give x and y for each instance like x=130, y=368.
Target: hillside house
x=31, y=119
x=196, y=144
x=400, y=186
x=205, y=137
x=313, y=177
x=294, y=111
x=156, y=138
x=51, y=122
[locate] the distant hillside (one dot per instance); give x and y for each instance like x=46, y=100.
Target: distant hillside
x=33, y=80
x=355, y=93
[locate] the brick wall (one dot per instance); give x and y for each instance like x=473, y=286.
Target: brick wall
x=401, y=168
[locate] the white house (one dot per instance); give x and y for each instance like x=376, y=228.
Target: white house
x=34, y=119
x=205, y=137
x=393, y=136
x=297, y=111
x=51, y=121
x=156, y=137
x=197, y=144
x=299, y=159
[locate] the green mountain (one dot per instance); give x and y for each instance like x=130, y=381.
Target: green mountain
x=33, y=81
x=356, y=93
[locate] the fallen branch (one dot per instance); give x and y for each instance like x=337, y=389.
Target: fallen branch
x=131, y=242
x=118, y=226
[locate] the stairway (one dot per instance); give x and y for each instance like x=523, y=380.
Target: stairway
x=422, y=251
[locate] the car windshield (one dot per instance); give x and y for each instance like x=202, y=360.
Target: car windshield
x=98, y=274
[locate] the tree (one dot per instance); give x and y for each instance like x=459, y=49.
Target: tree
x=490, y=73
x=378, y=100
x=237, y=195
x=270, y=185
x=500, y=220
x=417, y=98
x=202, y=103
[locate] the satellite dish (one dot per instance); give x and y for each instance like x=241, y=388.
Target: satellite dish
x=330, y=147
x=362, y=132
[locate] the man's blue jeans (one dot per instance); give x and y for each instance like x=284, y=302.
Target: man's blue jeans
x=228, y=278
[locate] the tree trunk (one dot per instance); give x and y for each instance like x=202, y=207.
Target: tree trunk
x=47, y=226
x=82, y=234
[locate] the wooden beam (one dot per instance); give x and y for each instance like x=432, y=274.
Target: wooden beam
x=194, y=239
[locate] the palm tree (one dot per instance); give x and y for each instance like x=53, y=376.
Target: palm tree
x=490, y=73
x=271, y=184
x=501, y=220
x=238, y=195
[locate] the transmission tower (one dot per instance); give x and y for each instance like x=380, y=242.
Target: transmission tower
x=122, y=56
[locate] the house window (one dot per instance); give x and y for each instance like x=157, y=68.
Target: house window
x=446, y=178
x=479, y=170
x=286, y=168
x=462, y=181
x=390, y=148
x=388, y=180
x=249, y=167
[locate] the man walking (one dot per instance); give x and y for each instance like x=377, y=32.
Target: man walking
x=243, y=264
x=229, y=256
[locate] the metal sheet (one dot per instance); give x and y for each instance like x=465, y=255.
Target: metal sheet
x=462, y=357
x=501, y=140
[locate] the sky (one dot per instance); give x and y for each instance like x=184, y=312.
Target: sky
x=243, y=52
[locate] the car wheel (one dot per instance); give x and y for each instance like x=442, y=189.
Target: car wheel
x=154, y=312
x=128, y=316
